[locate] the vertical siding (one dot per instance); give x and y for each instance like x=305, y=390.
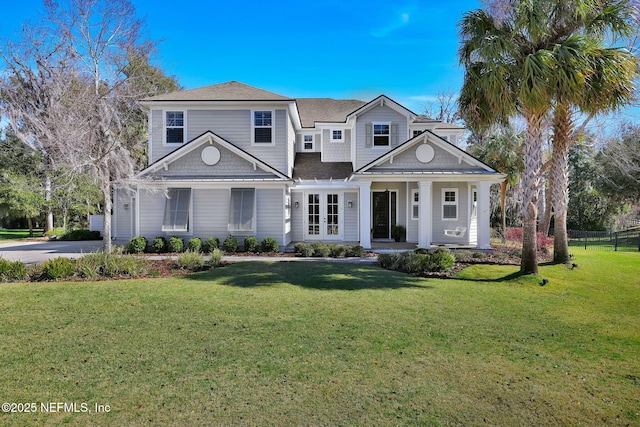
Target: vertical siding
x=364, y=154
x=351, y=223
x=270, y=220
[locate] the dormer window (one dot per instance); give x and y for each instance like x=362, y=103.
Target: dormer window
x=337, y=136
x=308, y=142
x=381, y=134
x=174, y=127
x=263, y=127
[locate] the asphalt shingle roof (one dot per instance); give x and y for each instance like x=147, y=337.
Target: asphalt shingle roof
x=313, y=110
x=229, y=91
x=309, y=166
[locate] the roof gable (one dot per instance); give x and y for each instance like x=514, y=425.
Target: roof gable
x=384, y=101
x=229, y=91
x=258, y=168
x=312, y=110
x=443, y=146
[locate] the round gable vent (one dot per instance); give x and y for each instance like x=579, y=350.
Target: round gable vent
x=425, y=153
x=210, y=155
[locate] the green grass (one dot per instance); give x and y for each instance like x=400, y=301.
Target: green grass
x=331, y=344
x=7, y=235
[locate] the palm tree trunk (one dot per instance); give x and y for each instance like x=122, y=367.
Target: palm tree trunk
x=562, y=128
x=503, y=208
x=531, y=188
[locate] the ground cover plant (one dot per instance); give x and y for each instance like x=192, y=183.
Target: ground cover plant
x=272, y=343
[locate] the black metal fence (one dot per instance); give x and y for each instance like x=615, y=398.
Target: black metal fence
x=628, y=240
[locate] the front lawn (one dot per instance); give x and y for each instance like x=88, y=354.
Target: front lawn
x=285, y=343
x=8, y=235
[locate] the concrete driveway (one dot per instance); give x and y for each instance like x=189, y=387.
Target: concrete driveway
x=33, y=252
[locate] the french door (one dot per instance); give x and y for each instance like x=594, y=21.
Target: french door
x=323, y=216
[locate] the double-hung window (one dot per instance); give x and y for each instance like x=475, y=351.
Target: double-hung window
x=308, y=142
x=177, y=209
x=242, y=209
x=449, y=203
x=174, y=127
x=415, y=204
x=263, y=127
x=336, y=135
x=381, y=134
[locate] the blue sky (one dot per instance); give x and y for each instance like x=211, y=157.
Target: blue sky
x=359, y=49
x=339, y=49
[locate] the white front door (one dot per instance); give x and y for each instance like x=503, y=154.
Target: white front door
x=323, y=212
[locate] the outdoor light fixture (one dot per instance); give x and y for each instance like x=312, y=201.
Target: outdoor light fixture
x=350, y=203
x=296, y=204
x=126, y=206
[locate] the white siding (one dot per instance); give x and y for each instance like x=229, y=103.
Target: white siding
x=442, y=160
x=337, y=151
x=439, y=225
x=211, y=213
x=151, y=213
x=365, y=154
x=123, y=215
x=351, y=224
x=270, y=220
x=297, y=216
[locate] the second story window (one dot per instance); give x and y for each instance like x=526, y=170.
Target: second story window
x=174, y=124
x=263, y=127
x=381, y=135
x=336, y=136
x=308, y=142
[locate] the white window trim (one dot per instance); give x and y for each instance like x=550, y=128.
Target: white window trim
x=336, y=140
x=254, y=220
x=305, y=142
x=189, y=230
x=253, y=128
x=164, y=127
x=373, y=135
x=414, y=203
x=444, y=203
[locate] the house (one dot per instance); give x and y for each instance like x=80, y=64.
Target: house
x=232, y=159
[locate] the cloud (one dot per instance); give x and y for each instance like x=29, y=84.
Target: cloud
x=400, y=19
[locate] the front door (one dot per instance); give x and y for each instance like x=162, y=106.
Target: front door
x=324, y=218
x=384, y=213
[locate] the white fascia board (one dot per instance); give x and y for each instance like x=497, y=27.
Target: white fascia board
x=323, y=185
x=435, y=177
x=384, y=101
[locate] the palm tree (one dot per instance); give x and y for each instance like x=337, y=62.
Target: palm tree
x=609, y=85
x=502, y=150
x=522, y=62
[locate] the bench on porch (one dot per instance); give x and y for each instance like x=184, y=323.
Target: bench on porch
x=457, y=232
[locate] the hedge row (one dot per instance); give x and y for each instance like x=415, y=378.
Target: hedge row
x=319, y=249
x=419, y=261
x=139, y=244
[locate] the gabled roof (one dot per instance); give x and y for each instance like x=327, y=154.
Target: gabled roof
x=433, y=138
x=309, y=166
x=209, y=137
x=384, y=100
x=229, y=91
x=312, y=110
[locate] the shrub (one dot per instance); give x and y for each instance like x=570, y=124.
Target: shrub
x=269, y=244
x=56, y=233
x=251, y=244
x=210, y=243
x=81, y=235
x=176, y=244
x=418, y=262
x=58, y=268
x=320, y=249
x=93, y=265
x=355, y=251
x=463, y=256
x=216, y=257
x=12, y=270
x=387, y=260
x=303, y=249
x=159, y=245
x=441, y=260
x=137, y=245
x=399, y=233
x=230, y=244
x=336, y=251
x=190, y=260
x=194, y=245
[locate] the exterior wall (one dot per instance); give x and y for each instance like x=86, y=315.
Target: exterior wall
x=336, y=151
x=270, y=215
x=439, y=225
x=351, y=223
x=317, y=141
x=297, y=216
x=230, y=164
x=442, y=160
x=232, y=125
x=412, y=224
x=365, y=154
x=291, y=144
x=151, y=213
x=123, y=214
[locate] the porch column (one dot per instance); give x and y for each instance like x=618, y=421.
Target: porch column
x=365, y=214
x=484, y=212
x=424, y=222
